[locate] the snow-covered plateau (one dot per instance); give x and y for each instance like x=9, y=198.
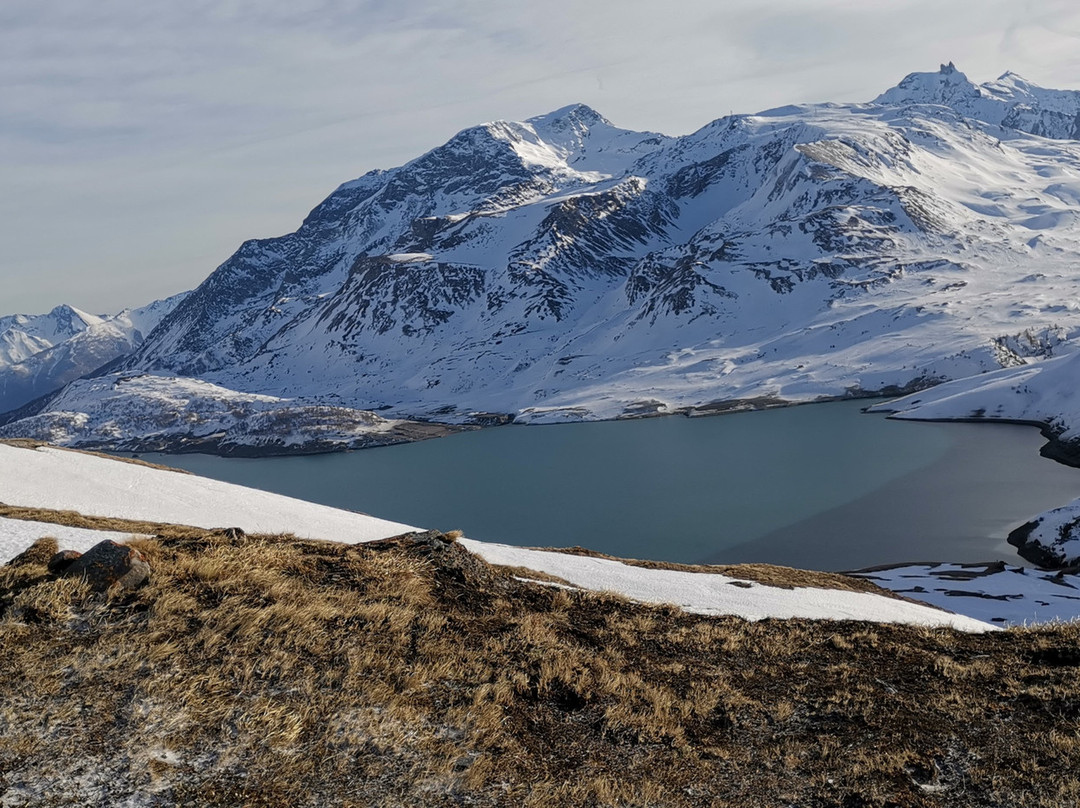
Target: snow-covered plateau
x=143, y=412
x=63, y=480
x=562, y=268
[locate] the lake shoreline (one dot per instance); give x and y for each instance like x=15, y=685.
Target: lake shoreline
x=685, y=489
x=415, y=429
x=1065, y=452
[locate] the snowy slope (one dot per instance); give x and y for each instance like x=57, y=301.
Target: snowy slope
x=1043, y=393
x=97, y=486
x=40, y=354
x=993, y=592
x=93, y=485
x=23, y=335
x=18, y=534
x=563, y=268
x=706, y=593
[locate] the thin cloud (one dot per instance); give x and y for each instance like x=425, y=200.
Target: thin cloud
x=142, y=142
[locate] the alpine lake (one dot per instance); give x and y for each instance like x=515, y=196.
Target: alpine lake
x=818, y=486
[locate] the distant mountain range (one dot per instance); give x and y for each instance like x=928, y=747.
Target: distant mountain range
x=562, y=268
x=41, y=353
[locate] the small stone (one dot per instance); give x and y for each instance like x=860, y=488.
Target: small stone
x=62, y=560
x=108, y=564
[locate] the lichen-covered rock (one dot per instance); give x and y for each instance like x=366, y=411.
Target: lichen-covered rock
x=62, y=560
x=108, y=564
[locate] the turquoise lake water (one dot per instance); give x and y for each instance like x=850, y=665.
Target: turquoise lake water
x=820, y=486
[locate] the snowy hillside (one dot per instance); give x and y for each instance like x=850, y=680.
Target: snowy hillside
x=994, y=592
x=42, y=353
x=142, y=412
x=562, y=268
x=96, y=486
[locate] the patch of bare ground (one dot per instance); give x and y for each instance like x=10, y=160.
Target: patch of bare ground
x=76, y=519
x=269, y=671
x=22, y=443
x=26, y=443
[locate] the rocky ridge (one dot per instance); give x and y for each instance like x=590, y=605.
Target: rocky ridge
x=562, y=268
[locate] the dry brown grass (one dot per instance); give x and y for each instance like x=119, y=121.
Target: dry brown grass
x=76, y=519
x=22, y=443
x=262, y=670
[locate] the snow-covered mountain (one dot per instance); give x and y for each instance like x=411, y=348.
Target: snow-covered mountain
x=563, y=268
x=41, y=353
x=23, y=335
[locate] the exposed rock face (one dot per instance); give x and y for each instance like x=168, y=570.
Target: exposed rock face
x=109, y=564
x=561, y=268
x=1052, y=540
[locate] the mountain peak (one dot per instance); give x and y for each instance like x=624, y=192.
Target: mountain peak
x=588, y=141
x=572, y=116
x=1012, y=84
x=945, y=87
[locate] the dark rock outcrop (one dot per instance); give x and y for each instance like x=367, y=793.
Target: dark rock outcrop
x=62, y=560
x=109, y=564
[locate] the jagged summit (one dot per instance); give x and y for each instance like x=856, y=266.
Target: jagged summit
x=1011, y=101
x=944, y=87
x=572, y=115
x=70, y=314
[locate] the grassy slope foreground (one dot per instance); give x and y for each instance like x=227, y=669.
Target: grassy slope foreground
x=261, y=670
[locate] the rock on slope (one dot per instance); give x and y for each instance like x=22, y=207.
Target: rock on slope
x=563, y=268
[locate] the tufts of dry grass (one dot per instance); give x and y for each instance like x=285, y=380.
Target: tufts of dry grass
x=268, y=671
x=76, y=519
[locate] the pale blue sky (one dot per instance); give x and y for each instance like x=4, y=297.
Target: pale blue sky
x=141, y=141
